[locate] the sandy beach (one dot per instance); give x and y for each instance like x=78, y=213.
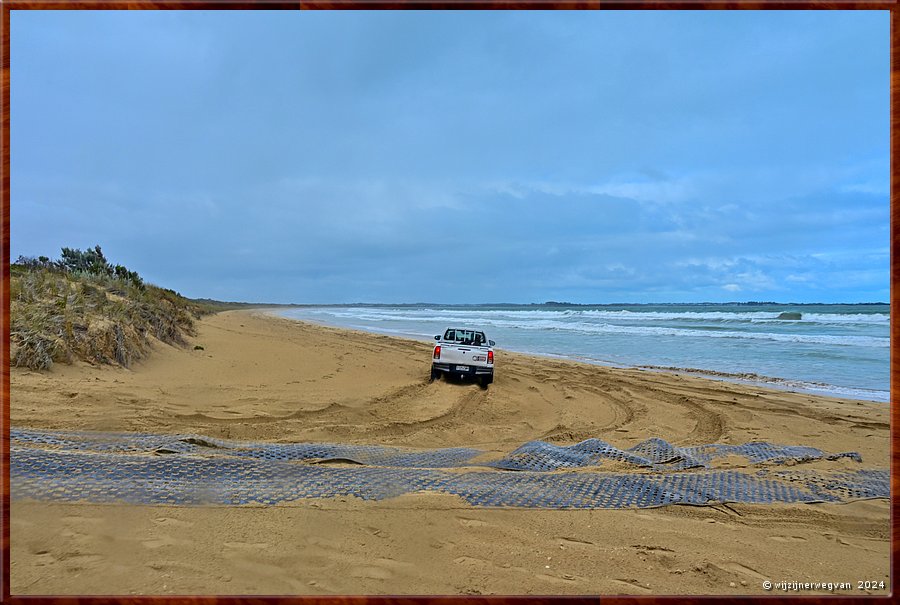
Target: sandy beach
x=262, y=378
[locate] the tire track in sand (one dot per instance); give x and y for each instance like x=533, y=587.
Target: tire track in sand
x=461, y=408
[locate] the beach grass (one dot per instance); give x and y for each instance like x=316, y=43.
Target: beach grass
x=58, y=316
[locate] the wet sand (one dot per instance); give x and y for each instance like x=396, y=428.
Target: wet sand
x=263, y=378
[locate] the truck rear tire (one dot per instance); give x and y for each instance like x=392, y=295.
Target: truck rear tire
x=435, y=374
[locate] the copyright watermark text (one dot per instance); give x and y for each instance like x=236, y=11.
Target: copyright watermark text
x=824, y=586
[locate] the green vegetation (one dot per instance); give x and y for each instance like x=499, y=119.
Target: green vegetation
x=83, y=307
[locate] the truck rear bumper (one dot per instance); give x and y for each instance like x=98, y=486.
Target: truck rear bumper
x=455, y=368
x=470, y=371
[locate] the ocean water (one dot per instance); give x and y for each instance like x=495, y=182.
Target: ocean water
x=841, y=350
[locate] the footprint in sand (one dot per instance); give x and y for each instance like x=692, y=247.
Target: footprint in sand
x=471, y=561
x=378, y=533
x=466, y=522
x=170, y=522
x=323, y=542
x=44, y=557
x=652, y=549
x=174, y=568
x=163, y=540
x=787, y=538
x=372, y=573
x=842, y=542
x=575, y=542
x=744, y=570
x=563, y=579
x=247, y=545
x=633, y=584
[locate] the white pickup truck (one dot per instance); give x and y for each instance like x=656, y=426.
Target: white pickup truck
x=463, y=353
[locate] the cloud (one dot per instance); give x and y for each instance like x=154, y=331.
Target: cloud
x=874, y=187
x=659, y=190
x=460, y=157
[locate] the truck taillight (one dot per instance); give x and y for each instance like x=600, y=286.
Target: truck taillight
x=437, y=352
x=490, y=357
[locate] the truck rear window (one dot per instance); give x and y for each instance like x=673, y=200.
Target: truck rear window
x=465, y=337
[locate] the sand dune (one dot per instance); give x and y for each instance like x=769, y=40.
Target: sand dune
x=269, y=379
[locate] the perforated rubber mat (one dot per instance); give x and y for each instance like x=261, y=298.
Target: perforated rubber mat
x=191, y=469
x=654, y=453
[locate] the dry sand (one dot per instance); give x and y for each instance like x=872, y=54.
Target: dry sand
x=270, y=379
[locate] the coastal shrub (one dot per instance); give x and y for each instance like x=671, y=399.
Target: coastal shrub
x=88, y=261
x=41, y=262
x=93, y=262
x=83, y=307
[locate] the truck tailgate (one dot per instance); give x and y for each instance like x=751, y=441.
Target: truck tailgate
x=464, y=355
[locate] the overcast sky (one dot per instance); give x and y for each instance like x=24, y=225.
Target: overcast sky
x=460, y=156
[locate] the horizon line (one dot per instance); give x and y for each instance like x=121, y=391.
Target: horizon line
x=550, y=303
